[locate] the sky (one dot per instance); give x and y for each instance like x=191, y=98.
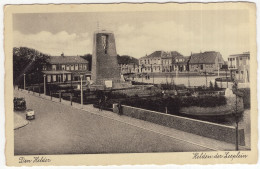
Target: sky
x=136, y=33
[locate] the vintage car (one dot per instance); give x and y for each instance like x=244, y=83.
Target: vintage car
x=30, y=114
x=19, y=103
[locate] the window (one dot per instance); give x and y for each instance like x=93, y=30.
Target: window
x=76, y=67
x=69, y=77
x=53, y=67
x=48, y=78
x=44, y=67
x=67, y=67
x=54, y=78
x=84, y=67
x=62, y=67
x=71, y=67
x=64, y=77
x=80, y=66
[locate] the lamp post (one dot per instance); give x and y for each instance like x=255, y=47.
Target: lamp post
x=206, y=78
x=236, y=114
x=189, y=78
x=152, y=72
x=81, y=90
x=24, y=82
x=44, y=78
x=226, y=77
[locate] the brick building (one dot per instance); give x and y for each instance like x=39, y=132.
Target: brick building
x=152, y=62
x=104, y=59
x=161, y=61
x=174, y=61
x=66, y=68
x=205, y=62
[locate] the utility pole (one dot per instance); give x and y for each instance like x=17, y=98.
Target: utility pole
x=218, y=70
x=44, y=76
x=236, y=115
x=24, y=81
x=189, y=78
x=206, y=79
x=81, y=89
x=226, y=77
x=39, y=89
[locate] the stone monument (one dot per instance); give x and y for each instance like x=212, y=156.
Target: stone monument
x=105, y=69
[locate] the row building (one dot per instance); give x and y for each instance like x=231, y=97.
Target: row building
x=64, y=69
x=162, y=61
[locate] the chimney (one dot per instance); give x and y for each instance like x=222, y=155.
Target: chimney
x=62, y=55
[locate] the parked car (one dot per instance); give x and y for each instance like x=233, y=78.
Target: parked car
x=19, y=103
x=30, y=114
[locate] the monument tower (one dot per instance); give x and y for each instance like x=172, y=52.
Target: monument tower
x=104, y=59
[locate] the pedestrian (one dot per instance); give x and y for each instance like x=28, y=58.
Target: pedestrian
x=119, y=105
x=105, y=101
x=100, y=104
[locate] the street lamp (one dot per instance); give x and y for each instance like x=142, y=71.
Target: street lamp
x=44, y=76
x=24, y=83
x=236, y=113
x=226, y=76
x=81, y=90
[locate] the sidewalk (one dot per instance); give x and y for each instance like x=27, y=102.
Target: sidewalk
x=19, y=121
x=212, y=144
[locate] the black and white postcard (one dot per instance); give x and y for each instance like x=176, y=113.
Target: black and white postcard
x=114, y=84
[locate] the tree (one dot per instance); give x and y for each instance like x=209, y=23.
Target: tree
x=30, y=62
x=88, y=57
x=211, y=85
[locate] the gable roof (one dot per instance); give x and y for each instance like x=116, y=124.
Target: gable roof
x=66, y=59
x=163, y=54
x=206, y=57
x=156, y=54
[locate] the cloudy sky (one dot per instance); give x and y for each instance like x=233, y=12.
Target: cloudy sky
x=136, y=33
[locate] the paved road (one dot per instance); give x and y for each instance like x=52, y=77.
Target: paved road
x=61, y=129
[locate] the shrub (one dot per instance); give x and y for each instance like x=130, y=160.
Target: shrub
x=203, y=101
x=246, y=97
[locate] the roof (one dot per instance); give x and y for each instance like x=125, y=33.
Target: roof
x=246, y=54
x=206, y=57
x=66, y=59
x=175, y=53
x=156, y=54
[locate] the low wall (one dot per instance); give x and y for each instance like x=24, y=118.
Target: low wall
x=202, y=128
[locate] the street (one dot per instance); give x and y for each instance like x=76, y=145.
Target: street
x=62, y=129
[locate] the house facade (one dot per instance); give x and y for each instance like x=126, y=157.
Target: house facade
x=205, y=62
x=66, y=68
x=161, y=61
x=129, y=68
x=151, y=63
x=174, y=61
x=239, y=66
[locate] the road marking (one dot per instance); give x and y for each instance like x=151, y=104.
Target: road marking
x=122, y=121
